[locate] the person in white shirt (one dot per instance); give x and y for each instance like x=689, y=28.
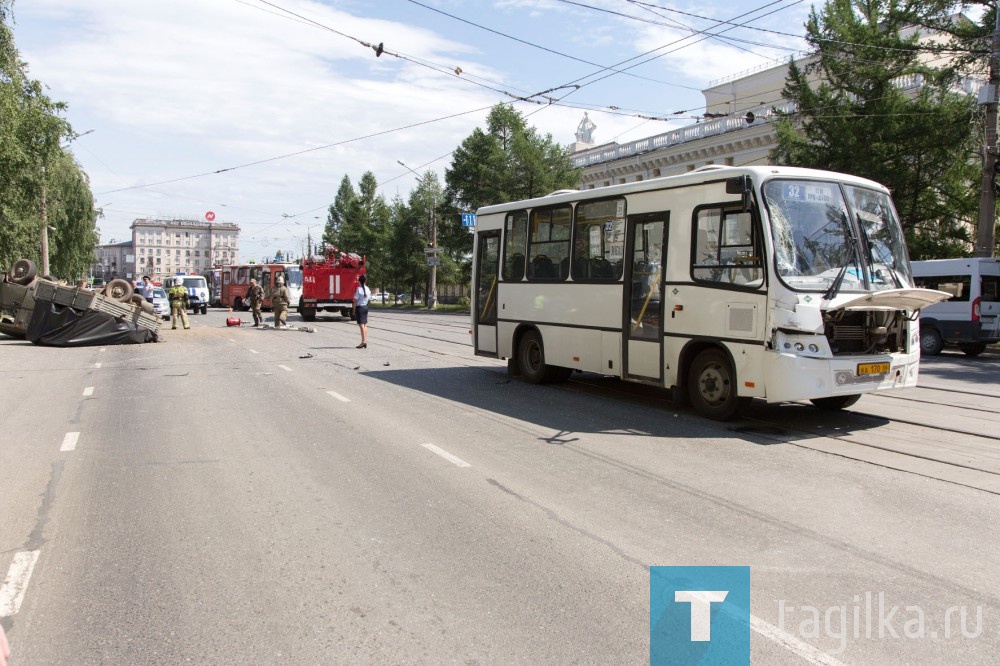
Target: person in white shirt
x=361, y=296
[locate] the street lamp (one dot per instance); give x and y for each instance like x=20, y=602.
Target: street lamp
x=433, y=259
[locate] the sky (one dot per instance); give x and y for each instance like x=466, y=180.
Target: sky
x=255, y=110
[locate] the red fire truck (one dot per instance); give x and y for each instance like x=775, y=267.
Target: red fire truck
x=236, y=282
x=328, y=283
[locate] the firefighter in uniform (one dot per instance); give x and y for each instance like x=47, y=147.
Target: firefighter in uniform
x=279, y=300
x=178, y=304
x=256, y=296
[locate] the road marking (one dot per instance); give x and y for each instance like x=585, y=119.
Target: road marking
x=16, y=583
x=338, y=396
x=69, y=441
x=447, y=456
x=88, y=391
x=285, y=367
x=791, y=643
x=253, y=351
x=104, y=349
x=97, y=365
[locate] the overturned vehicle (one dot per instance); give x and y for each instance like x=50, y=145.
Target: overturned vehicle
x=46, y=311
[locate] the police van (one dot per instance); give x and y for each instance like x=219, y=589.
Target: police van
x=196, y=287
x=971, y=317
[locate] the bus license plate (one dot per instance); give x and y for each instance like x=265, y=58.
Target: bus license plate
x=873, y=369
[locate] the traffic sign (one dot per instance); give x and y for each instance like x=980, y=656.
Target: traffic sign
x=468, y=219
x=431, y=250
x=209, y=216
x=433, y=261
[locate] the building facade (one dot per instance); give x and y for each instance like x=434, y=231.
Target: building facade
x=114, y=260
x=166, y=247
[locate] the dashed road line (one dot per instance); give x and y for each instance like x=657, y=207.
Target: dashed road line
x=792, y=644
x=253, y=351
x=447, y=456
x=97, y=365
x=69, y=441
x=89, y=390
x=338, y=396
x=14, y=586
x=285, y=367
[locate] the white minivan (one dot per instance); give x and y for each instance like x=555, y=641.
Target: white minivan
x=971, y=317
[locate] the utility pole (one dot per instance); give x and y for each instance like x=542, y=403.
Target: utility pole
x=987, y=193
x=45, y=229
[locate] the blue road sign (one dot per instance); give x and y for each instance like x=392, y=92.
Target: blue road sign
x=468, y=219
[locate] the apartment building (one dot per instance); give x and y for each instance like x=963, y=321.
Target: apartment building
x=166, y=247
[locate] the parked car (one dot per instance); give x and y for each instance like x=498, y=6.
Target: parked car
x=161, y=304
x=971, y=317
x=381, y=297
x=407, y=298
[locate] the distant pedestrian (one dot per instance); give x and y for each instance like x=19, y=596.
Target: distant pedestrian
x=146, y=288
x=279, y=301
x=4, y=648
x=178, y=304
x=255, y=294
x=361, y=296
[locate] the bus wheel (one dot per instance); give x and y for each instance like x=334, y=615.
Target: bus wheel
x=204, y=309
x=307, y=314
x=712, y=386
x=531, y=358
x=836, y=402
x=930, y=342
x=972, y=348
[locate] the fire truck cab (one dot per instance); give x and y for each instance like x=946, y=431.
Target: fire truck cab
x=328, y=283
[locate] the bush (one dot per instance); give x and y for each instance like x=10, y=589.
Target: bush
x=465, y=301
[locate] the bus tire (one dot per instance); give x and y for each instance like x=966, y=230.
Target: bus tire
x=531, y=358
x=836, y=402
x=712, y=385
x=22, y=272
x=931, y=343
x=204, y=309
x=972, y=348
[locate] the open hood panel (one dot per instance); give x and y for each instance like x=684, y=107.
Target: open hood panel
x=894, y=299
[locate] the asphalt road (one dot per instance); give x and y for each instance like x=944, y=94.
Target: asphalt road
x=239, y=495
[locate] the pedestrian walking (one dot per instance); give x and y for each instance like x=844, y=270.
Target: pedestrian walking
x=146, y=288
x=178, y=304
x=255, y=294
x=279, y=300
x=361, y=296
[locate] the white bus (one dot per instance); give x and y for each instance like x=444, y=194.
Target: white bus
x=723, y=284
x=970, y=318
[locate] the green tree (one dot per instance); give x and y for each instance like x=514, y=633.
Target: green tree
x=364, y=228
x=32, y=162
x=508, y=161
x=854, y=115
x=338, y=212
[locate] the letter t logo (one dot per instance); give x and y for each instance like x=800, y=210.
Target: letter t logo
x=701, y=610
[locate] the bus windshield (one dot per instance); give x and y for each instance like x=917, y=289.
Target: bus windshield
x=823, y=242
x=293, y=277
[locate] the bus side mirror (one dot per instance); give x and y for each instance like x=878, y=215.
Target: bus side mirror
x=741, y=185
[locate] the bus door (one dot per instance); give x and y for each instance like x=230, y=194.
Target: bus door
x=484, y=309
x=643, y=308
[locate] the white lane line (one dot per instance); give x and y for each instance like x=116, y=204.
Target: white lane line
x=285, y=367
x=447, y=456
x=97, y=365
x=16, y=583
x=338, y=396
x=69, y=441
x=88, y=391
x=253, y=351
x=104, y=349
x=791, y=643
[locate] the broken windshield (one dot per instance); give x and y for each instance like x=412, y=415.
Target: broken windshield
x=818, y=244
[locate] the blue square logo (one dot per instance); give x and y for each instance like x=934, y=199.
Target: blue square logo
x=699, y=615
